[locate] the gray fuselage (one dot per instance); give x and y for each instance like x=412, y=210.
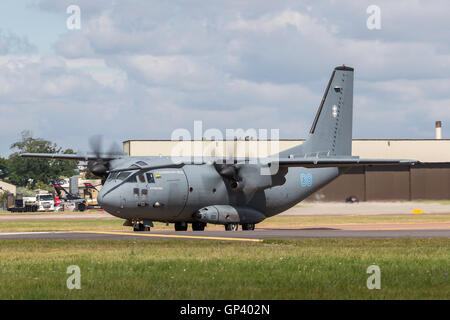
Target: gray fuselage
x=174, y=194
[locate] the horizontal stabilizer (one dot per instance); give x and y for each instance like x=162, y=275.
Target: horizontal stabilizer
x=341, y=162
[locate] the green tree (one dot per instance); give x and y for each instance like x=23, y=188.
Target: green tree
x=3, y=168
x=32, y=172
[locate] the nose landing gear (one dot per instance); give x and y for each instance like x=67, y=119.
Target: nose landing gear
x=140, y=226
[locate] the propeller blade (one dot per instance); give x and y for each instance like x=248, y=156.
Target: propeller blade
x=115, y=149
x=95, y=143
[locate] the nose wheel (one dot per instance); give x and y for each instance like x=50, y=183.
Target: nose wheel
x=140, y=227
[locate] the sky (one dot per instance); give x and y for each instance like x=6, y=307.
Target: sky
x=140, y=69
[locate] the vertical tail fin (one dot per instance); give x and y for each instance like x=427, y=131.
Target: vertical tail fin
x=331, y=131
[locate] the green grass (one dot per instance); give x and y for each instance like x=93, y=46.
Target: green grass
x=197, y=269
x=62, y=225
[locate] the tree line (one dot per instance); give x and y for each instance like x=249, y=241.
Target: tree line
x=35, y=173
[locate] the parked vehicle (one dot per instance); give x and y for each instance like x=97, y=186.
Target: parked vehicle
x=45, y=202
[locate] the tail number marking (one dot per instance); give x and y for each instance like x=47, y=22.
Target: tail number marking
x=306, y=180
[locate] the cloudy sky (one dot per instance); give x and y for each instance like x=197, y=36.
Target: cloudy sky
x=139, y=69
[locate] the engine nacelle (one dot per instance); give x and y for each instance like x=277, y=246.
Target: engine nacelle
x=98, y=168
x=224, y=214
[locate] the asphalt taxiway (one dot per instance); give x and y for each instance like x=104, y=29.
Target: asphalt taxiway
x=249, y=236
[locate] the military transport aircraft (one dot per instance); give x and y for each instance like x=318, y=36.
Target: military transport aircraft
x=231, y=193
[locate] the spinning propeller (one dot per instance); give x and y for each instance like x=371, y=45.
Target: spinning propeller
x=101, y=164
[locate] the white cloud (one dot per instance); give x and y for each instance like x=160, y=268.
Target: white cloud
x=141, y=70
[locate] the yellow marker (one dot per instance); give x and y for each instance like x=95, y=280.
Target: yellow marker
x=159, y=235
x=417, y=211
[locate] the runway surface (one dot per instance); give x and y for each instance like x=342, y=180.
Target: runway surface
x=250, y=236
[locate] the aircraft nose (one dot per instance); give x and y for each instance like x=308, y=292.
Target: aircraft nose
x=106, y=199
x=100, y=198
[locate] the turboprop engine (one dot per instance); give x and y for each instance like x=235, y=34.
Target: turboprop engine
x=226, y=214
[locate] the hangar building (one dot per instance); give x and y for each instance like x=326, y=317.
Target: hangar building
x=429, y=180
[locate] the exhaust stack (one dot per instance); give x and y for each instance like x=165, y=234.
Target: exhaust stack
x=438, y=130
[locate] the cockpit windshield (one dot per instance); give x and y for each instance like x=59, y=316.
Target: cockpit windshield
x=123, y=175
x=132, y=180
x=112, y=176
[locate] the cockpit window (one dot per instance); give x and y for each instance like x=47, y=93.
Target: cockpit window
x=123, y=175
x=112, y=176
x=132, y=180
x=142, y=163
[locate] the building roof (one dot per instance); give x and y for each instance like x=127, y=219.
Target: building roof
x=8, y=187
x=424, y=150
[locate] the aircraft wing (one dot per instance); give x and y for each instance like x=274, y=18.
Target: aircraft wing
x=60, y=156
x=341, y=162
x=148, y=168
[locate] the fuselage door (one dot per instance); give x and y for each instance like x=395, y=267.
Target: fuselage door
x=168, y=191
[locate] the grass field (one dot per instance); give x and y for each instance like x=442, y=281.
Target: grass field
x=274, y=222
x=197, y=269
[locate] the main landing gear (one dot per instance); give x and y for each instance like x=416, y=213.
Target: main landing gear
x=235, y=226
x=231, y=227
x=181, y=226
x=196, y=226
x=248, y=226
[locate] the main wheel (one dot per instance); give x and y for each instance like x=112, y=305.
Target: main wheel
x=81, y=207
x=248, y=226
x=181, y=226
x=198, y=226
x=231, y=227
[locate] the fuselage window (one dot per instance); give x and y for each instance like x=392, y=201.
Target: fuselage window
x=150, y=177
x=141, y=178
x=144, y=193
x=136, y=193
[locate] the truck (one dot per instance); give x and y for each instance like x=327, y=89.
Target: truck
x=41, y=202
x=45, y=202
